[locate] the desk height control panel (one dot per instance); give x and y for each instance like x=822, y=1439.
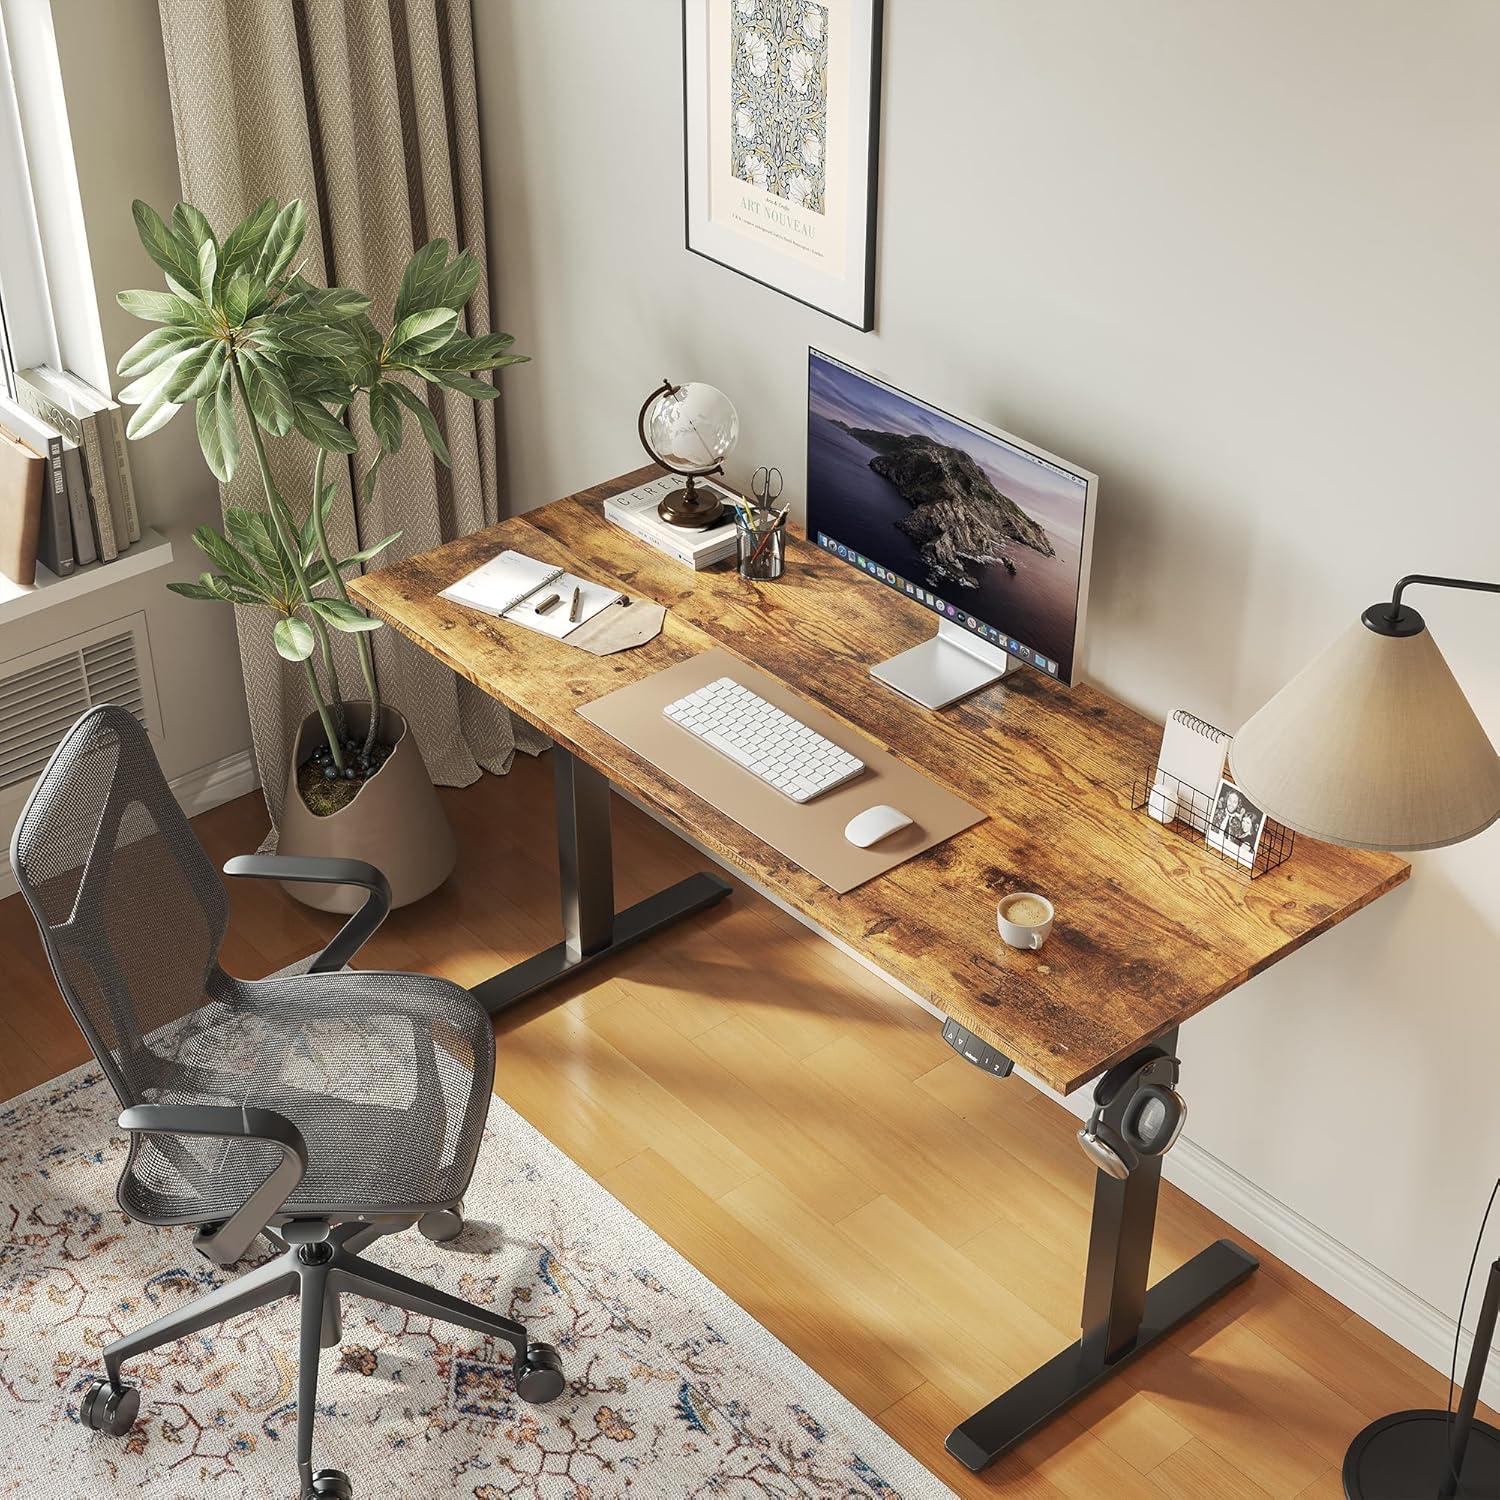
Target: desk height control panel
x=981, y=1054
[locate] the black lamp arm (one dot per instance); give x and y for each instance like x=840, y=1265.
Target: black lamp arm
x=1397, y=618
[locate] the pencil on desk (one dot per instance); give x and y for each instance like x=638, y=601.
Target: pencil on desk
x=575, y=603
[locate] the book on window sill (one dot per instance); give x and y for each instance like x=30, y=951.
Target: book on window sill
x=114, y=444
x=512, y=585
x=55, y=545
x=40, y=396
x=23, y=473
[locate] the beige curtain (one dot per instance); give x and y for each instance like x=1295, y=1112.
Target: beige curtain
x=366, y=110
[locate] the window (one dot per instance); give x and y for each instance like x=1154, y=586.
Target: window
x=28, y=333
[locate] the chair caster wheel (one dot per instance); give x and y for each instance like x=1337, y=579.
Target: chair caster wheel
x=442, y=1224
x=332, y=1482
x=539, y=1374
x=106, y=1409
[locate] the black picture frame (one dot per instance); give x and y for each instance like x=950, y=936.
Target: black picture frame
x=863, y=319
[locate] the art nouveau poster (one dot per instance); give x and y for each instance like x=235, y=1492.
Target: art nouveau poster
x=782, y=117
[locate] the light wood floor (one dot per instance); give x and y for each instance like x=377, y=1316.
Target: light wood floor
x=910, y=1227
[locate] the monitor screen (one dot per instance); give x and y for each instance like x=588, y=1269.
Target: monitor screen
x=982, y=529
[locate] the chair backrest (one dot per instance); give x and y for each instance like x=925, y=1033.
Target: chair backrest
x=131, y=910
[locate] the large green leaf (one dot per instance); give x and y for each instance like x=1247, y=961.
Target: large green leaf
x=367, y=483
x=196, y=373
x=216, y=589
x=256, y=533
x=317, y=426
x=246, y=240
x=486, y=351
x=175, y=256
x=422, y=280
x=270, y=400
x=217, y=434
x=192, y=227
x=160, y=344
x=208, y=268
x=420, y=334
x=159, y=307
x=324, y=304
x=428, y=423
x=344, y=616
x=385, y=417
x=322, y=341
x=239, y=296
x=229, y=559
x=282, y=241
x=366, y=553
x=465, y=385
x=294, y=638
x=148, y=395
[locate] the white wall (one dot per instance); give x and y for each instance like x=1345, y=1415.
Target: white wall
x=115, y=82
x=1237, y=259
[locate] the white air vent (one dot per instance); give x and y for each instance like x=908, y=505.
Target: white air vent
x=42, y=693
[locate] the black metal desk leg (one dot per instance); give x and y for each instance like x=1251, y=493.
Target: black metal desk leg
x=1121, y=1317
x=592, y=928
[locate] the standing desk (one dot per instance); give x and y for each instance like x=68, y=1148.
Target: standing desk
x=1150, y=929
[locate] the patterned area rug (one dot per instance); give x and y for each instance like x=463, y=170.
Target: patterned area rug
x=674, y=1390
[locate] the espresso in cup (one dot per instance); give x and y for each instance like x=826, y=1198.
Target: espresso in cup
x=1024, y=919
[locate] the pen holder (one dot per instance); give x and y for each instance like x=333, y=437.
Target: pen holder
x=760, y=537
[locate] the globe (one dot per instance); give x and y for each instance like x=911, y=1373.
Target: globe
x=689, y=429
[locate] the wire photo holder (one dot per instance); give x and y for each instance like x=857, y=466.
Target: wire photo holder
x=1155, y=792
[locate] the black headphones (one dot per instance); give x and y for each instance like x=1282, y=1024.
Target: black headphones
x=1137, y=1113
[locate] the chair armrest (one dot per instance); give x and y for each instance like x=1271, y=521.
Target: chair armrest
x=353, y=935
x=228, y=1242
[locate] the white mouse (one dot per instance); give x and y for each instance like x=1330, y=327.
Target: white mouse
x=874, y=824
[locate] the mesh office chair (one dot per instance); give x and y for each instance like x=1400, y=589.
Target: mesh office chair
x=317, y=1111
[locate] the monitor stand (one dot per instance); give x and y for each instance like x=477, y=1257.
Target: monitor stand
x=953, y=664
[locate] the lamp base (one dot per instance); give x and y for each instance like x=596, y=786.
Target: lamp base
x=1405, y=1457
x=691, y=507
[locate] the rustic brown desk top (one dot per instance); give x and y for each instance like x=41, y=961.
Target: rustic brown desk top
x=1149, y=928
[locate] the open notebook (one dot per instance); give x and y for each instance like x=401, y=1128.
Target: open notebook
x=512, y=585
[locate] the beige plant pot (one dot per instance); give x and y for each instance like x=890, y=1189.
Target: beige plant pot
x=395, y=822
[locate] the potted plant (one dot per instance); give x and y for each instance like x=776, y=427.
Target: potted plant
x=243, y=331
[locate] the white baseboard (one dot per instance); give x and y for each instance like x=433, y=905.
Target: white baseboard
x=218, y=782
x=196, y=791
x=1361, y=1286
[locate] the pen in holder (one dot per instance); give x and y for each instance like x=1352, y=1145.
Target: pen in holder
x=761, y=539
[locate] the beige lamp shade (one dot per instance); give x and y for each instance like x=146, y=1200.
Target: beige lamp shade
x=1373, y=745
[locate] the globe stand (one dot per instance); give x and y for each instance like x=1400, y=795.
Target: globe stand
x=691, y=506
x=688, y=507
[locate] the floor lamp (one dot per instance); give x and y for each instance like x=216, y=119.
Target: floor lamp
x=1375, y=746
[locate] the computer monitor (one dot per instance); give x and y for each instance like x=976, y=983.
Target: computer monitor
x=987, y=532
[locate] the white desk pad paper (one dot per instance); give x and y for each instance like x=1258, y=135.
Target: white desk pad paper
x=811, y=834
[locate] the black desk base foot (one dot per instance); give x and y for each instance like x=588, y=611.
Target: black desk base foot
x=978, y=1442
x=1407, y=1454
x=512, y=985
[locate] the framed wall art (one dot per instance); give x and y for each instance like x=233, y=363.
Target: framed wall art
x=781, y=108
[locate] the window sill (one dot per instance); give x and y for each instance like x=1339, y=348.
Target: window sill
x=151, y=552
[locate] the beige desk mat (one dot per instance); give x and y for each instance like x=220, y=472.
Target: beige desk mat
x=809, y=833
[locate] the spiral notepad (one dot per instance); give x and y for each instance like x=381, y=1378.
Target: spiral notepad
x=511, y=584
x=1191, y=761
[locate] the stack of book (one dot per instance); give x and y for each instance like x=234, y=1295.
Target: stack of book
x=635, y=512
x=88, y=504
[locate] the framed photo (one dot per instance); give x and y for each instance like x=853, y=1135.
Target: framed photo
x=1235, y=824
x=781, y=118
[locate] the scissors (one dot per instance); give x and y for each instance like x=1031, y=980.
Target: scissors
x=765, y=485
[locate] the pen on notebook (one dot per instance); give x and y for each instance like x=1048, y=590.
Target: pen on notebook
x=550, y=602
x=575, y=603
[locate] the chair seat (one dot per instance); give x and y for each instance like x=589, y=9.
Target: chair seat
x=387, y=1075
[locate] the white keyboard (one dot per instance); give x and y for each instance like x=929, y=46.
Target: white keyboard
x=767, y=742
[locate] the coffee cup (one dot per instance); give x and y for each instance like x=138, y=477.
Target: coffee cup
x=1024, y=919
